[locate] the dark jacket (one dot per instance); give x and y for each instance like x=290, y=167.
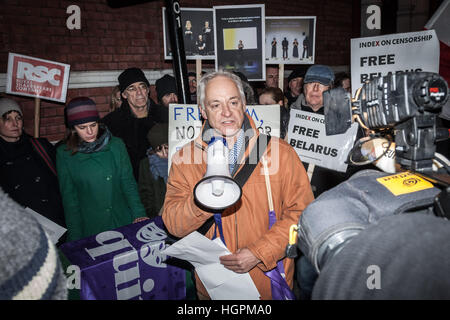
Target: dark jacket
x=290, y=98
x=160, y=113
x=152, y=191
x=133, y=131
x=28, y=180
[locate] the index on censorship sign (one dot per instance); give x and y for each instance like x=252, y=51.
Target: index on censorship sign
x=307, y=135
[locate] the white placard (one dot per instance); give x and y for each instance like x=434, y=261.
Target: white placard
x=377, y=56
x=307, y=135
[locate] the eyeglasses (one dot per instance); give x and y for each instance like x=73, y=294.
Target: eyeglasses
x=134, y=89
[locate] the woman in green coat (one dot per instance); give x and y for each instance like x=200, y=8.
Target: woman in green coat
x=96, y=180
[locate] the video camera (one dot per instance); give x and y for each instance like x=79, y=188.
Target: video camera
x=404, y=102
x=404, y=106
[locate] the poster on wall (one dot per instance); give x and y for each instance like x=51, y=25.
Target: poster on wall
x=240, y=40
x=39, y=78
x=198, y=34
x=290, y=40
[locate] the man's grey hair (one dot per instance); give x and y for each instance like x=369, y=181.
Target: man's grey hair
x=201, y=87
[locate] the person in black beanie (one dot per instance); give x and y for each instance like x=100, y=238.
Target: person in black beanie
x=166, y=90
x=295, y=84
x=132, y=121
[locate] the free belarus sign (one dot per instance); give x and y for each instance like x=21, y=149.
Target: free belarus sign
x=33, y=77
x=307, y=135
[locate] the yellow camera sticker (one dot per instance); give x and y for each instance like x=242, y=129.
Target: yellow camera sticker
x=404, y=183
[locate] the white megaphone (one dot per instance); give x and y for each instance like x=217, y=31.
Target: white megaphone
x=217, y=190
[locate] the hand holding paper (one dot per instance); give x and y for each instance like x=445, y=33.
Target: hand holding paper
x=204, y=254
x=242, y=261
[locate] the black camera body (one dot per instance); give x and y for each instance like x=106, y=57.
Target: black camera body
x=405, y=102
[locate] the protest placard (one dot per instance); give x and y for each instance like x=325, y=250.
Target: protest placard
x=306, y=134
x=33, y=77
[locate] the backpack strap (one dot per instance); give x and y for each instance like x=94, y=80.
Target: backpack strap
x=245, y=173
x=43, y=154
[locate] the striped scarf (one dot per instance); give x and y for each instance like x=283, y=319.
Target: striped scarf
x=233, y=153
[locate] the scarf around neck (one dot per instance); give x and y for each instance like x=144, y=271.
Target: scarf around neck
x=97, y=145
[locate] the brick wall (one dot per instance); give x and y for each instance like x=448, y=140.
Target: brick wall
x=115, y=39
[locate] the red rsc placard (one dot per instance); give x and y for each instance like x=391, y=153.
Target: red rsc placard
x=33, y=77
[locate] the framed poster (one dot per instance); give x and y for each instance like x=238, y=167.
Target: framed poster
x=198, y=34
x=240, y=39
x=290, y=40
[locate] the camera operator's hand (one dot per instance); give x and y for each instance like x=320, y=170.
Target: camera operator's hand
x=241, y=261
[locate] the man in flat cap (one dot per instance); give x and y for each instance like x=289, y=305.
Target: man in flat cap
x=132, y=121
x=318, y=79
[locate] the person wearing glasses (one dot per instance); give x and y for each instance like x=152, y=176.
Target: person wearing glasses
x=153, y=171
x=95, y=176
x=132, y=121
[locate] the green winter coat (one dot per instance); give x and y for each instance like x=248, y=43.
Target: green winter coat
x=98, y=189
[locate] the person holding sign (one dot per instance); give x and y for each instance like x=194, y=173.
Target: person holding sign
x=27, y=166
x=318, y=78
x=95, y=176
x=243, y=227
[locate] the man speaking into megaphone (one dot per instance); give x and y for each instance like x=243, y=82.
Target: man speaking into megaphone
x=252, y=218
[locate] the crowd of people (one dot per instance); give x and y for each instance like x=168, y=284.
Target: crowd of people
x=113, y=171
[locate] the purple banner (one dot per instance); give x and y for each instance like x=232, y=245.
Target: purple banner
x=126, y=263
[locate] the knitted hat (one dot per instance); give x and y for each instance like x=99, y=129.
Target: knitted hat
x=30, y=267
x=7, y=105
x=158, y=135
x=130, y=76
x=165, y=85
x=81, y=110
x=319, y=73
x=297, y=73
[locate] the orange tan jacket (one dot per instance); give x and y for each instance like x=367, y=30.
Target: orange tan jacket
x=245, y=224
